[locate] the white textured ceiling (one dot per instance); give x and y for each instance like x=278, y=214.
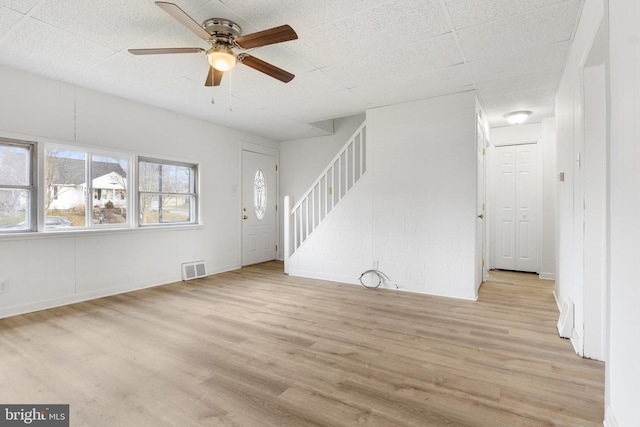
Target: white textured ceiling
x=351, y=55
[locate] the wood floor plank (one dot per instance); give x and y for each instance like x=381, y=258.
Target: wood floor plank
x=255, y=347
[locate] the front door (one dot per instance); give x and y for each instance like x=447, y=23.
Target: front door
x=259, y=197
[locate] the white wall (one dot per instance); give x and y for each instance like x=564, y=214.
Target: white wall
x=549, y=200
x=623, y=369
x=570, y=144
x=45, y=270
x=414, y=211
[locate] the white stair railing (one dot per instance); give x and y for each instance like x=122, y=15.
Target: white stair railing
x=333, y=184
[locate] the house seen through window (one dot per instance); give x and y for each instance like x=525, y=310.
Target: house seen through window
x=70, y=175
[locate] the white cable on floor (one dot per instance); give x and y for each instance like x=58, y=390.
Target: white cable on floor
x=381, y=278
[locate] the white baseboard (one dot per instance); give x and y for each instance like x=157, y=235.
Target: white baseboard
x=576, y=341
x=31, y=307
x=547, y=276
x=353, y=280
x=555, y=296
x=609, y=418
x=323, y=276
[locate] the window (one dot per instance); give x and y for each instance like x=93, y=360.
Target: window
x=17, y=186
x=67, y=186
x=166, y=192
x=260, y=194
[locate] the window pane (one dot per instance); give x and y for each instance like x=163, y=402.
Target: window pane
x=109, y=190
x=149, y=176
x=14, y=165
x=176, y=179
x=260, y=194
x=155, y=209
x=14, y=210
x=65, y=188
x=165, y=178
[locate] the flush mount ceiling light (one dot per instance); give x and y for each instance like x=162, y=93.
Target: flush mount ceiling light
x=517, y=117
x=221, y=58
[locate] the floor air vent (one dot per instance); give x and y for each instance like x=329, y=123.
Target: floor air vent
x=194, y=270
x=565, y=322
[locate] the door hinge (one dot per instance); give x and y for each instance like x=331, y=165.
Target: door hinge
x=482, y=262
x=483, y=207
x=276, y=208
x=276, y=248
x=276, y=168
x=483, y=151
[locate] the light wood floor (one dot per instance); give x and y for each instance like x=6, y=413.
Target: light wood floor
x=257, y=348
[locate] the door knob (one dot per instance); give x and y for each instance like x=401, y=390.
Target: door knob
x=481, y=216
x=245, y=217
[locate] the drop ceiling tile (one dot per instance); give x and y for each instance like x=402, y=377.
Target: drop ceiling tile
x=22, y=6
x=57, y=55
x=309, y=97
x=371, y=32
x=410, y=60
x=328, y=105
x=547, y=58
x=114, y=24
x=539, y=102
x=410, y=88
x=123, y=75
x=517, y=85
x=303, y=16
x=444, y=50
x=183, y=92
x=548, y=25
x=466, y=13
x=8, y=18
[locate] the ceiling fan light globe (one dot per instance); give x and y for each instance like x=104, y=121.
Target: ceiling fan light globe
x=221, y=60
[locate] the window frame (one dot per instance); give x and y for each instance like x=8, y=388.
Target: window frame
x=194, y=194
x=32, y=188
x=89, y=154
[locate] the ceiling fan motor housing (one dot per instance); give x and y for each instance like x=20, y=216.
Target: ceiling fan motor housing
x=222, y=29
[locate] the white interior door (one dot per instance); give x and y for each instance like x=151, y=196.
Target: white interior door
x=259, y=197
x=517, y=198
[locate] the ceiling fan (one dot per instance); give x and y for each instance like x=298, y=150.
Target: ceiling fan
x=224, y=36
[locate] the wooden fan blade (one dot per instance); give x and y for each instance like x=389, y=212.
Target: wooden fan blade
x=163, y=50
x=182, y=17
x=265, y=67
x=279, y=34
x=214, y=77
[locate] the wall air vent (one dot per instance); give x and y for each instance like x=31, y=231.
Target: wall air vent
x=194, y=270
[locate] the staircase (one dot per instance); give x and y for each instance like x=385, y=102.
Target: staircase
x=333, y=184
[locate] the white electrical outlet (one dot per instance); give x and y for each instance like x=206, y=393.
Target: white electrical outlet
x=4, y=286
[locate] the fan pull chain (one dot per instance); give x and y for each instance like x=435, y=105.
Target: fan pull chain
x=230, y=97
